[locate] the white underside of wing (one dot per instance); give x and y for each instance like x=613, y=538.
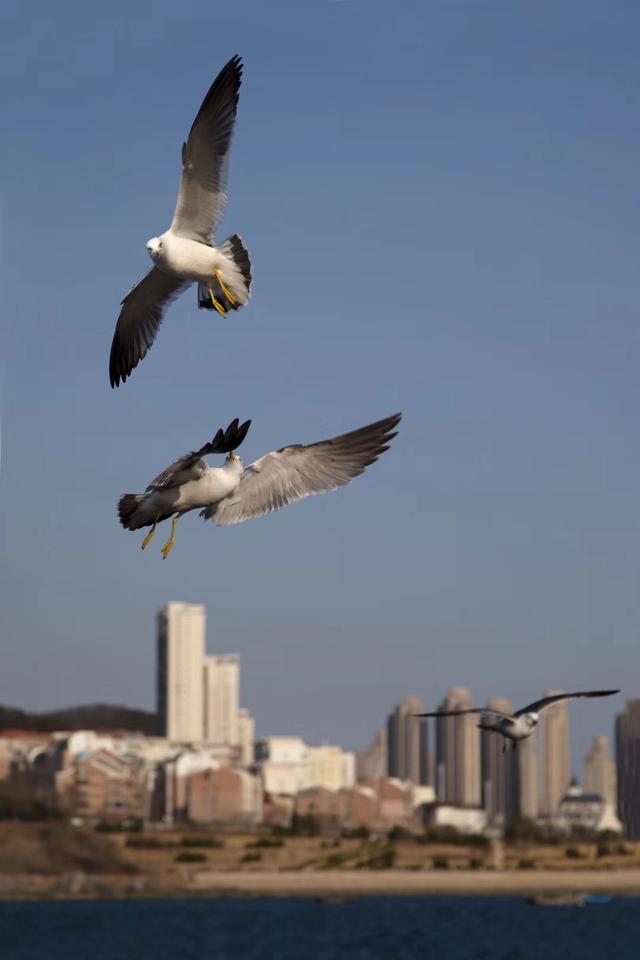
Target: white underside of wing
x=271, y=484
x=285, y=476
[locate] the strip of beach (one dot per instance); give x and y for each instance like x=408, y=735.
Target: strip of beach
x=328, y=885
x=419, y=883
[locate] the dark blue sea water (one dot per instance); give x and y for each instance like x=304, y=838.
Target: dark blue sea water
x=367, y=929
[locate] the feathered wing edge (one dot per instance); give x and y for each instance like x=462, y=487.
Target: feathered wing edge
x=202, y=192
x=534, y=707
x=292, y=473
x=538, y=705
x=460, y=713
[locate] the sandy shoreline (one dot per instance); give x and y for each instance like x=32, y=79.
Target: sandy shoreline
x=419, y=883
x=329, y=884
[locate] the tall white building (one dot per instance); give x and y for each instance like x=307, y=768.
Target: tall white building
x=526, y=772
x=222, y=699
x=458, y=752
x=246, y=737
x=600, y=771
x=498, y=770
x=181, y=631
x=555, y=759
x=408, y=742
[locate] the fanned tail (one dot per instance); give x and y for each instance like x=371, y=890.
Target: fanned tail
x=127, y=507
x=236, y=278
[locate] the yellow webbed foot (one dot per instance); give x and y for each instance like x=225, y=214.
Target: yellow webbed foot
x=149, y=537
x=230, y=297
x=168, y=547
x=147, y=540
x=216, y=303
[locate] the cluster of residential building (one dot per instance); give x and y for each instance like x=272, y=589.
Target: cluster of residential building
x=206, y=766
x=470, y=772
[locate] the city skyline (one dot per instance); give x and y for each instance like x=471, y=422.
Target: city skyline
x=450, y=761
x=198, y=700
x=191, y=619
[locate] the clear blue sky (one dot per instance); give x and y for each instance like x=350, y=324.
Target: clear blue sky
x=441, y=204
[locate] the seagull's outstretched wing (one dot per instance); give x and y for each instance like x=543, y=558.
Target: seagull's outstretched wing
x=142, y=312
x=538, y=705
x=191, y=466
x=202, y=197
x=292, y=473
x=458, y=713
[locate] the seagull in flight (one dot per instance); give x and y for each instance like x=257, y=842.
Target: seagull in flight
x=185, y=253
x=522, y=723
x=233, y=494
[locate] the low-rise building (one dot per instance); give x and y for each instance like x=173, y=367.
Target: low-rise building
x=376, y=805
x=103, y=786
x=282, y=762
x=463, y=819
x=586, y=811
x=174, y=780
x=288, y=766
x=225, y=796
x=18, y=749
x=422, y=796
x=329, y=767
x=359, y=808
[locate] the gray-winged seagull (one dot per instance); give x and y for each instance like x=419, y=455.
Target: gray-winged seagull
x=232, y=494
x=522, y=723
x=185, y=253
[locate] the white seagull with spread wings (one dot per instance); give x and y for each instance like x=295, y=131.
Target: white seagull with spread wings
x=232, y=494
x=185, y=253
x=522, y=723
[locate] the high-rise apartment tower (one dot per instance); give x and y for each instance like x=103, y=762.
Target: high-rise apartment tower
x=628, y=767
x=407, y=742
x=181, y=629
x=555, y=759
x=458, y=752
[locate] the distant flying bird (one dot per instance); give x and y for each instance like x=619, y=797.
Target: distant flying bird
x=185, y=254
x=232, y=494
x=522, y=723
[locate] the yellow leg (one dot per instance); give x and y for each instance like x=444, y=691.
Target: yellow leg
x=166, y=550
x=216, y=303
x=149, y=537
x=226, y=292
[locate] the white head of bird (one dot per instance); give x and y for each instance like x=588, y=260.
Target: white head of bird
x=234, y=460
x=531, y=719
x=154, y=246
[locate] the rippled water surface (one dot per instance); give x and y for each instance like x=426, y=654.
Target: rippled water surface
x=293, y=929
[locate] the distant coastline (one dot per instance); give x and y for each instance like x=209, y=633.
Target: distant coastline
x=55, y=860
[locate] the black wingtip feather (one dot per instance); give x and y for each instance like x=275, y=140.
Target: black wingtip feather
x=230, y=74
x=230, y=439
